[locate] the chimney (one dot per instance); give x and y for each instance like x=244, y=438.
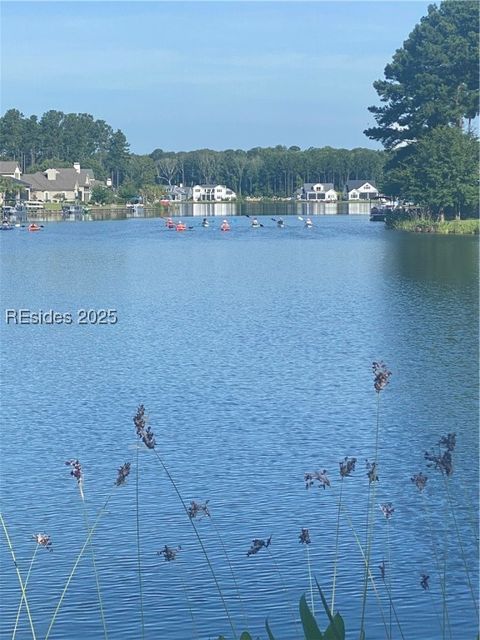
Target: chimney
x=76, y=166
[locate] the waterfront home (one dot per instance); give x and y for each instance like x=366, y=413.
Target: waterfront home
x=212, y=193
x=316, y=191
x=360, y=190
x=60, y=184
x=178, y=193
x=10, y=169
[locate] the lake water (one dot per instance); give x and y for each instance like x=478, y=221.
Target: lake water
x=252, y=353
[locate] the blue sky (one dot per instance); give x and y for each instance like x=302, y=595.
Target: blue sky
x=189, y=75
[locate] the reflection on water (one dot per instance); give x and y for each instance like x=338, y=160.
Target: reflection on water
x=207, y=209
x=435, y=258
x=223, y=209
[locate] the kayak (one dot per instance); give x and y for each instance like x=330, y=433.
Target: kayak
x=181, y=227
x=6, y=227
x=34, y=227
x=225, y=226
x=169, y=223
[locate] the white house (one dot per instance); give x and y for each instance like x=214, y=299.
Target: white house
x=360, y=190
x=212, y=193
x=60, y=184
x=316, y=191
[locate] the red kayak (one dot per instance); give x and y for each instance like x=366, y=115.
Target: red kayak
x=34, y=227
x=181, y=226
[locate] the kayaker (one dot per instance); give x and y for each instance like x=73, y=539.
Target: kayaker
x=280, y=223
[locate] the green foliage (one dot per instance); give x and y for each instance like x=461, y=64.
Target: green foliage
x=433, y=79
x=311, y=630
x=430, y=88
x=310, y=627
x=272, y=171
x=102, y=195
x=127, y=192
x=440, y=172
x=58, y=139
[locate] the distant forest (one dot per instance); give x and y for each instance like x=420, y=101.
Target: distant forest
x=59, y=139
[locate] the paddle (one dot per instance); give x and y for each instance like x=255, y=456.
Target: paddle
x=300, y=218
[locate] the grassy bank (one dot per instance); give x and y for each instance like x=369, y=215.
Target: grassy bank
x=416, y=224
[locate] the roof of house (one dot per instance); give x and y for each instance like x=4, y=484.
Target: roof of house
x=8, y=166
x=308, y=186
x=65, y=180
x=173, y=188
x=355, y=184
x=210, y=186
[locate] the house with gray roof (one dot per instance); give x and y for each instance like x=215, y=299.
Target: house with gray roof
x=10, y=169
x=360, y=190
x=14, y=186
x=178, y=193
x=316, y=191
x=61, y=184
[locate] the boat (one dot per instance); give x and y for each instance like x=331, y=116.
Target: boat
x=308, y=223
x=169, y=223
x=255, y=224
x=181, y=226
x=224, y=226
x=34, y=227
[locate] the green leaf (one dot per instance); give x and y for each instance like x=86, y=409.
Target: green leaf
x=310, y=627
x=269, y=631
x=245, y=636
x=336, y=629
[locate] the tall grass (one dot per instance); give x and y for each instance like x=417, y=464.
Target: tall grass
x=439, y=459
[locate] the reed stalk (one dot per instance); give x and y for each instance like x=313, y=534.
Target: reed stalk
x=370, y=575
x=139, y=557
x=199, y=539
x=76, y=563
x=19, y=576
x=217, y=531
x=370, y=524
x=389, y=563
x=335, y=561
x=21, y=599
x=284, y=588
x=310, y=579
x=459, y=538
x=189, y=605
x=441, y=575
x=97, y=581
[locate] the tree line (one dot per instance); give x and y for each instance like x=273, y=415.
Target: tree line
x=59, y=139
